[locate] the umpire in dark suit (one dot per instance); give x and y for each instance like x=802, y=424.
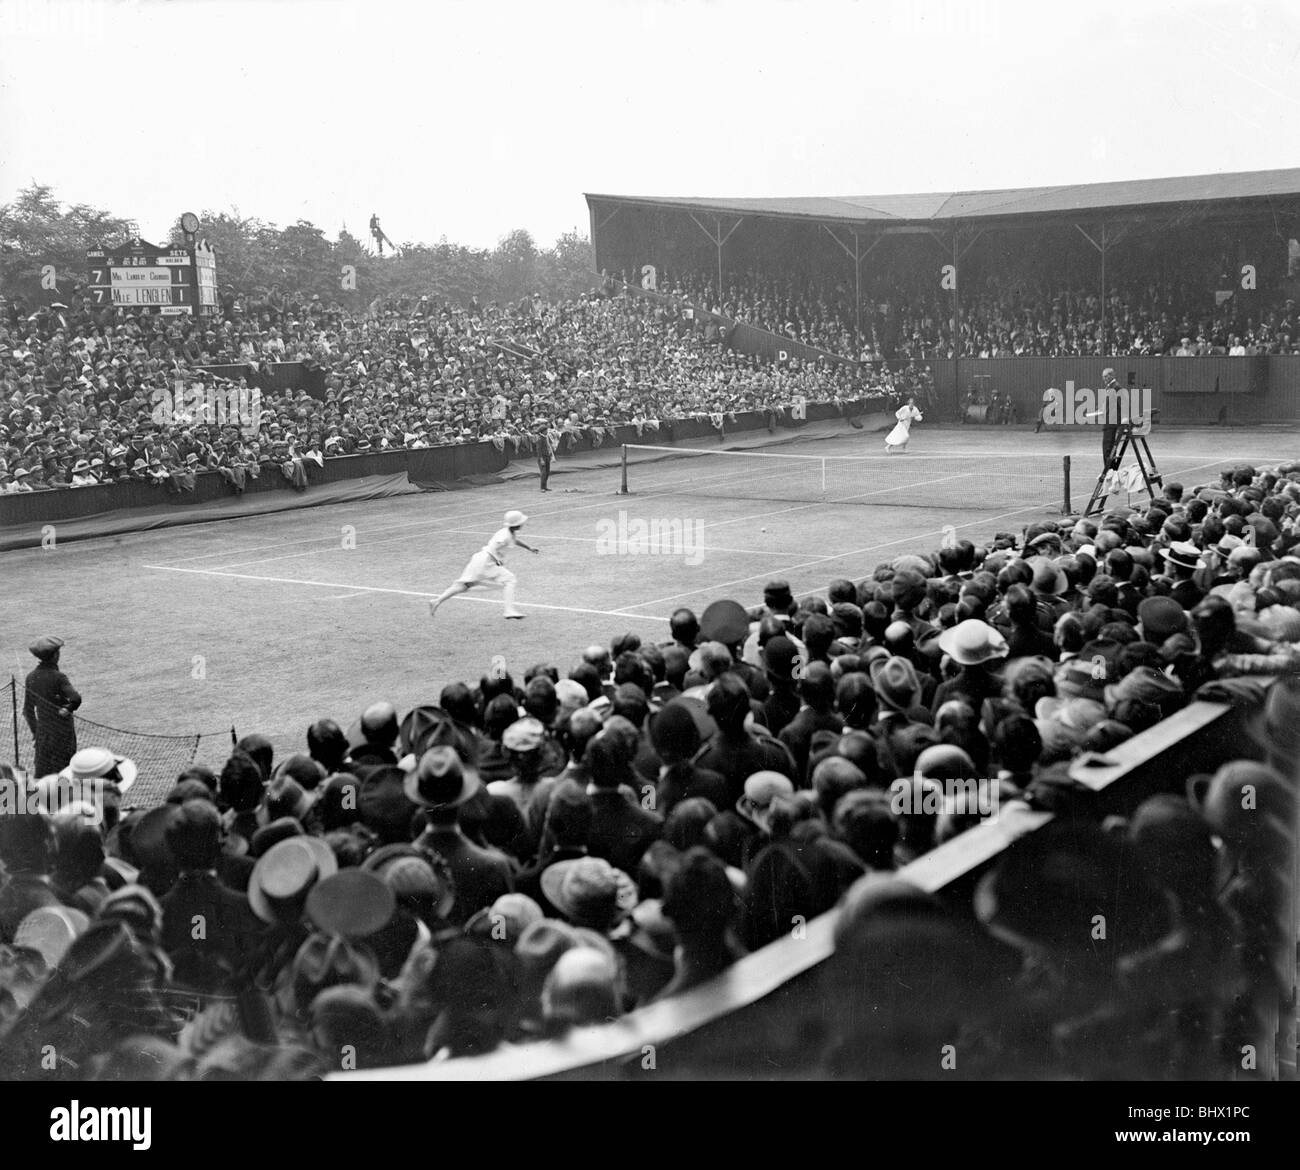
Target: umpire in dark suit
x=543, y=455
x=1112, y=414
x=48, y=703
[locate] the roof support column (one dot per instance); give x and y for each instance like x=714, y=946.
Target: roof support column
x=857, y=255
x=718, y=239
x=958, y=251
x=1106, y=239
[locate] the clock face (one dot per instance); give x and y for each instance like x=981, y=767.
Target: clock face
x=190, y=222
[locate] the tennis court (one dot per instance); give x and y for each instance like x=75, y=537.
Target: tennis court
x=268, y=623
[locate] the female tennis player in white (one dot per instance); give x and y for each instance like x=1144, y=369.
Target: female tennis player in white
x=896, y=440
x=487, y=566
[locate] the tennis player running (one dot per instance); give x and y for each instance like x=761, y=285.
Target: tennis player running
x=896, y=440
x=488, y=567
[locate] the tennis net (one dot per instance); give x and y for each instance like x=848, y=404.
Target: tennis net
x=959, y=480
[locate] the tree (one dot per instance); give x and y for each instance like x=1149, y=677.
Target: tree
x=567, y=269
x=44, y=245
x=257, y=259
x=514, y=266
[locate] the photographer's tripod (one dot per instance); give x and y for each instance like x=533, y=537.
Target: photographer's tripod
x=1146, y=463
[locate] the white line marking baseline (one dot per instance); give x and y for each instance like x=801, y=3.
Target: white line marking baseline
x=399, y=592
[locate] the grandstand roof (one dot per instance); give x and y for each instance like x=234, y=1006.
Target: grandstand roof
x=938, y=207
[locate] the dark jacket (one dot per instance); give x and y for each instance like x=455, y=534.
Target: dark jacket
x=738, y=759
x=621, y=830
x=974, y=684
x=227, y=931
x=687, y=781
x=479, y=876
x=47, y=691
x=797, y=737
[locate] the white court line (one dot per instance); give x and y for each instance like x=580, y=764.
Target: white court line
x=433, y=521
x=400, y=592
x=912, y=538
x=842, y=500
x=924, y=453
x=745, y=552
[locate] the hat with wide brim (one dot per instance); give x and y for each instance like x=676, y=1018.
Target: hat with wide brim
x=724, y=621
x=392, y=864
x=1049, y=577
x=761, y=788
x=698, y=707
x=895, y=681
x=441, y=780
x=589, y=891
x=50, y=931
x=1184, y=554
x=284, y=875
x=423, y=727
x=972, y=642
x=352, y=903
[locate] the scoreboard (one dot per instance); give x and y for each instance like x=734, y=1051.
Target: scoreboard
x=205, y=266
x=143, y=276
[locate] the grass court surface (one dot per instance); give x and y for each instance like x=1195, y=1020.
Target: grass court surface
x=269, y=622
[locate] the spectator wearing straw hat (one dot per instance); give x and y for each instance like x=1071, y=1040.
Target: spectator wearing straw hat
x=976, y=647
x=48, y=704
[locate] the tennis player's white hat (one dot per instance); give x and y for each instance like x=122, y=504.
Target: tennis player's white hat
x=515, y=518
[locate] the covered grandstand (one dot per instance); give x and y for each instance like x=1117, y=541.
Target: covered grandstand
x=1186, y=249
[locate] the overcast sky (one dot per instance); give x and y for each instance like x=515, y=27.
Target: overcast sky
x=467, y=119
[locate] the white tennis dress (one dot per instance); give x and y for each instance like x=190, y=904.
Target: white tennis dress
x=906, y=416
x=488, y=566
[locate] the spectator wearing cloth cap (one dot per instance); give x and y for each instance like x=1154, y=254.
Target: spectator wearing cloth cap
x=48, y=703
x=522, y=741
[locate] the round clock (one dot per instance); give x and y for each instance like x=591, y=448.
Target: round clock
x=190, y=222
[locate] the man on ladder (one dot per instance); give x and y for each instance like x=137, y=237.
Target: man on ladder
x=1120, y=429
x=1111, y=412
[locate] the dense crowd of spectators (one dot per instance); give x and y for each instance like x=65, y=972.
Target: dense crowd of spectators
x=1005, y=319
x=89, y=396
x=535, y=853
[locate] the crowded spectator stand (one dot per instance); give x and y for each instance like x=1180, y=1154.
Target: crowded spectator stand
x=98, y=396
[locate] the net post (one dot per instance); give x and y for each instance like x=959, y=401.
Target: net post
x=622, y=491
x=13, y=700
x=1065, y=468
